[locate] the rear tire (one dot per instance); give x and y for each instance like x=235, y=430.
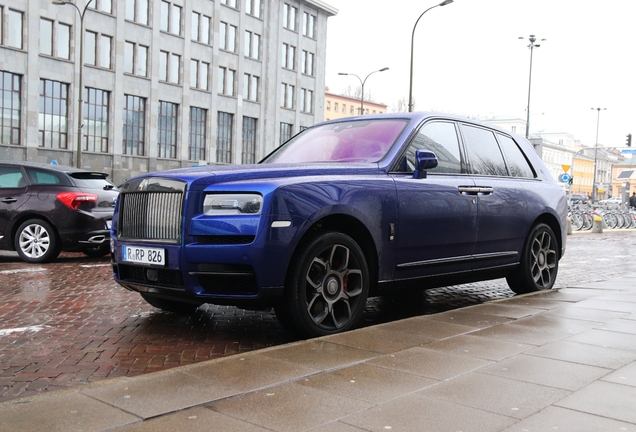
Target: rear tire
x=36, y=241
x=539, y=262
x=326, y=288
x=174, y=306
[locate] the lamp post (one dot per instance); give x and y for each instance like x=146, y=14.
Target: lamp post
x=362, y=85
x=444, y=3
x=598, y=117
x=532, y=46
x=80, y=91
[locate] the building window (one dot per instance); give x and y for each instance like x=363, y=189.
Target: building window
x=199, y=72
x=55, y=39
x=226, y=81
x=335, y=107
x=196, y=136
x=224, y=137
x=289, y=17
x=253, y=7
x=227, y=37
x=95, y=128
x=10, y=97
x=101, y=5
x=344, y=108
x=309, y=25
x=250, y=87
x=167, y=130
x=249, y=140
x=328, y=105
x=135, y=59
x=97, y=53
x=351, y=109
x=230, y=3
x=201, y=28
x=252, y=45
x=286, y=130
x=169, y=67
x=53, y=114
x=514, y=129
x=308, y=63
x=287, y=95
x=289, y=56
x=307, y=101
x=170, y=18
x=137, y=11
x=134, y=125
x=10, y=28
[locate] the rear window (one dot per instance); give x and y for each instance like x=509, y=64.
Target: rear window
x=92, y=181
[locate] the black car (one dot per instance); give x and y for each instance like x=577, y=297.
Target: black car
x=46, y=209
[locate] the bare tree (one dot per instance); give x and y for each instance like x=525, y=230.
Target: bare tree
x=402, y=105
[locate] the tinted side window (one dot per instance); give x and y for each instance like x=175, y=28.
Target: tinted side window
x=441, y=139
x=484, y=155
x=517, y=163
x=41, y=177
x=11, y=178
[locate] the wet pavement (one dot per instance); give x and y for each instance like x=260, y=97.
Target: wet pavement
x=68, y=323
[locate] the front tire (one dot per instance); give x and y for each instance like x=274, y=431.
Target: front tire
x=327, y=287
x=539, y=262
x=36, y=241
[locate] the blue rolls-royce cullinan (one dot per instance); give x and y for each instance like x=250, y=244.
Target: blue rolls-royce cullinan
x=343, y=210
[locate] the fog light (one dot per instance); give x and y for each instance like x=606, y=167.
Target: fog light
x=152, y=275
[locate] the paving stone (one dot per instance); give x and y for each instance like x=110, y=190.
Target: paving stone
x=80, y=326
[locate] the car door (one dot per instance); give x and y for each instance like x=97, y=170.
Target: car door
x=502, y=204
x=13, y=195
x=437, y=215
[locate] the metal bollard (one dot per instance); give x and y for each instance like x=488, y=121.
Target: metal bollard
x=569, y=225
x=597, y=225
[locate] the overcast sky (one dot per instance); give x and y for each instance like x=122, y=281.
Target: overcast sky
x=470, y=61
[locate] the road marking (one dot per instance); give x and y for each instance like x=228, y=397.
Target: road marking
x=25, y=270
x=31, y=329
x=95, y=265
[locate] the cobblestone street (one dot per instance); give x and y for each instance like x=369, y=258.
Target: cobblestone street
x=68, y=323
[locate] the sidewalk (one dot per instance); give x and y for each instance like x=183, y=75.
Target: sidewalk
x=557, y=360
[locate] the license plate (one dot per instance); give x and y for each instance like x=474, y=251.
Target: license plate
x=144, y=255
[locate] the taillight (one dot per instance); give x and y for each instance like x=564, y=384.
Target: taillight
x=73, y=200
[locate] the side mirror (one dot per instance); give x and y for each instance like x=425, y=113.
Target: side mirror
x=424, y=160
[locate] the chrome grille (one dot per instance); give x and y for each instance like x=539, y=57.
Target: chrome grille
x=151, y=216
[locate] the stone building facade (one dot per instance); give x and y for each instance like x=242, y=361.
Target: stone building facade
x=167, y=83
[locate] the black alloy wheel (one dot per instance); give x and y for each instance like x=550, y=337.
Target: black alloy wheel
x=327, y=287
x=539, y=262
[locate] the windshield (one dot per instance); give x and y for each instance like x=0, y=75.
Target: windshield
x=352, y=141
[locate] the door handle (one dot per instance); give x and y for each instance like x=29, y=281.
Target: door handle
x=9, y=200
x=475, y=190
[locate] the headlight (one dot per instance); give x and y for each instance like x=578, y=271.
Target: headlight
x=232, y=204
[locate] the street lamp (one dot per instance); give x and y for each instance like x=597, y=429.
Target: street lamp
x=362, y=85
x=80, y=91
x=444, y=3
x=532, y=46
x=598, y=117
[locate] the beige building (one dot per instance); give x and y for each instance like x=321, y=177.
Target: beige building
x=337, y=107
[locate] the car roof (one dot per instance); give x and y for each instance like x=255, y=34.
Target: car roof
x=61, y=168
x=419, y=116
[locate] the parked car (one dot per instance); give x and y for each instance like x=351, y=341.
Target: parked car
x=611, y=200
x=579, y=198
x=46, y=209
x=344, y=210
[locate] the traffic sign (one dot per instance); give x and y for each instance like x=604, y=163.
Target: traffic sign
x=564, y=178
x=566, y=168
x=628, y=151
